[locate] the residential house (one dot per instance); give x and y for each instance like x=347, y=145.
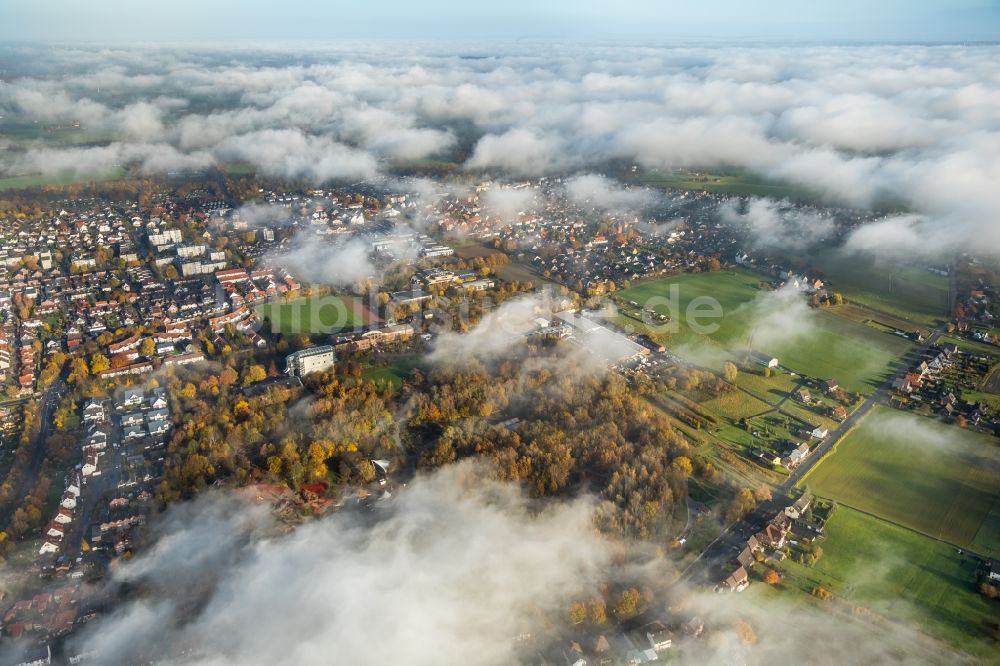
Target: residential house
x=736, y=581
x=93, y=411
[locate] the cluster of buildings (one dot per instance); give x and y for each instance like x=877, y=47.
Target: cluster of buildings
x=55, y=532
x=937, y=383
x=649, y=643
x=770, y=540
x=442, y=278
x=83, y=277
x=121, y=452
x=590, y=332
x=43, y=617
x=376, y=338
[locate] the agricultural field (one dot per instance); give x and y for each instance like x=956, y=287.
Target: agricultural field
x=899, y=574
x=24, y=182
x=823, y=345
x=910, y=293
x=771, y=389
x=934, y=478
x=739, y=183
x=736, y=405
x=319, y=314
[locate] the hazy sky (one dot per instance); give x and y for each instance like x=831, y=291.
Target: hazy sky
x=232, y=20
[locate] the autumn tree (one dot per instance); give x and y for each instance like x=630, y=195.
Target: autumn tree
x=597, y=611
x=99, y=363
x=772, y=577
x=255, y=373
x=729, y=371
x=628, y=604
x=228, y=376
x=740, y=505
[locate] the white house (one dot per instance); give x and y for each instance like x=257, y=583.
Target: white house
x=131, y=398
x=93, y=412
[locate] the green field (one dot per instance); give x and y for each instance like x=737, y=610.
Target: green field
x=904, y=576
x=24, y=182
x=825, y=346
x=515, y=272
x=395, y=372
x=315, y=315
x=739, y=183
x=911, y=293
x=934, y=478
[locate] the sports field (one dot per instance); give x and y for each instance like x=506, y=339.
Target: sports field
x=312, y=315
x=934, y=478
x=904, y=576
x=814, y=342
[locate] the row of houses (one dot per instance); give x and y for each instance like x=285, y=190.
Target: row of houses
x=55, y=531
x=771, y=537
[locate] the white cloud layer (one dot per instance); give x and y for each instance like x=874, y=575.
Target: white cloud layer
x=451, y=572
x=860, y=124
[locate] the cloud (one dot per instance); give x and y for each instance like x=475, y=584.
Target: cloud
x=257, y=214
x=602, y=193
x=915, y=126
x=497, y=332
x=777, y=224
x=149, y=158
x=520, y=151
x=779, y=318
x=293, y=154
x=317, y=259
x=451, y=571
x=506, y=203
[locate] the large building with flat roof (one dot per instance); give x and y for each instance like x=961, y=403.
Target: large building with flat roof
x=314, y=359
